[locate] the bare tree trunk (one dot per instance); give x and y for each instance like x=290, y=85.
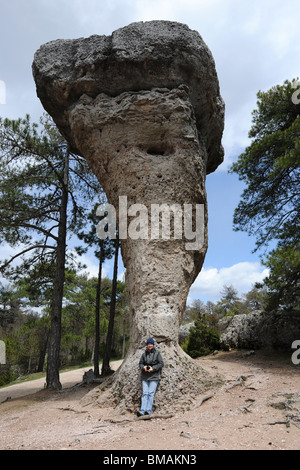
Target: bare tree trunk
x=43, y=350
x=106, y=370
x=29, y=364
x=97, y=316
x=124, y=337
x=52, y=378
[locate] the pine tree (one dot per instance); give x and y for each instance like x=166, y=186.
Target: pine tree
x=43, y=191
x=270, y=204
x=104, y=250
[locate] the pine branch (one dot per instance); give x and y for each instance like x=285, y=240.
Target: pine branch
x=7, y=263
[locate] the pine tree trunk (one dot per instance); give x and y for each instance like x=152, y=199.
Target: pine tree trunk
x=106, y=370
x=124, y=338
x=97, y=316
x=52, y=378
x=43, y=350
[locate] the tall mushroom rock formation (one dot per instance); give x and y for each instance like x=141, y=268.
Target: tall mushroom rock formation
x=143, y=106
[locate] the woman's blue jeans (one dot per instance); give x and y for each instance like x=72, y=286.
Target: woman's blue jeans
x=149, y=389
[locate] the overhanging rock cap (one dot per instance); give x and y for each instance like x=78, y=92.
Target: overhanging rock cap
x=138, y=57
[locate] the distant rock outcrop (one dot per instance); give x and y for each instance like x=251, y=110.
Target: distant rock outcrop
x=257, y=330
x=184, y=331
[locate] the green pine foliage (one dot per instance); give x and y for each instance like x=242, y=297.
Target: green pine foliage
x=270, y=204
x=204, y=337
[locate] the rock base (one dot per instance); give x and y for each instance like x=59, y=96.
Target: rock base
x=182, y=380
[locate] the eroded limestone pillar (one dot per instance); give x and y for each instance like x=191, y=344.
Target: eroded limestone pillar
x=144, y=146
x=143, y=107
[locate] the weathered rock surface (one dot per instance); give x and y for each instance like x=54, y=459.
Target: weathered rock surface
x=257, y=330
x=143, y=107
x=138, y=152
x=184, y=331
x=138, y=57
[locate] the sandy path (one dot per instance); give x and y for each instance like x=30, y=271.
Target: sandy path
x=67, y=379
x=240, y=415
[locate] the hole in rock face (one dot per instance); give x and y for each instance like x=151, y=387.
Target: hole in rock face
x=159, y=149
x=156, y=151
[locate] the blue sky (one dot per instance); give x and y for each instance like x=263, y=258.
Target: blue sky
x=256, y=45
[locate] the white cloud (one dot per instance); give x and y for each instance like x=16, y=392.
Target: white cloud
x=242, y=276
x=121, y=275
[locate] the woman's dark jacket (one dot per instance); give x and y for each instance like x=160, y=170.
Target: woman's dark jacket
x=154, y=359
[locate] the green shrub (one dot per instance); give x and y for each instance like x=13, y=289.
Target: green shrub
x=7, y=374
x=204, y=337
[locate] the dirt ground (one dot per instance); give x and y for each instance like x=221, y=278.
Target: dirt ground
x=253, y=408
